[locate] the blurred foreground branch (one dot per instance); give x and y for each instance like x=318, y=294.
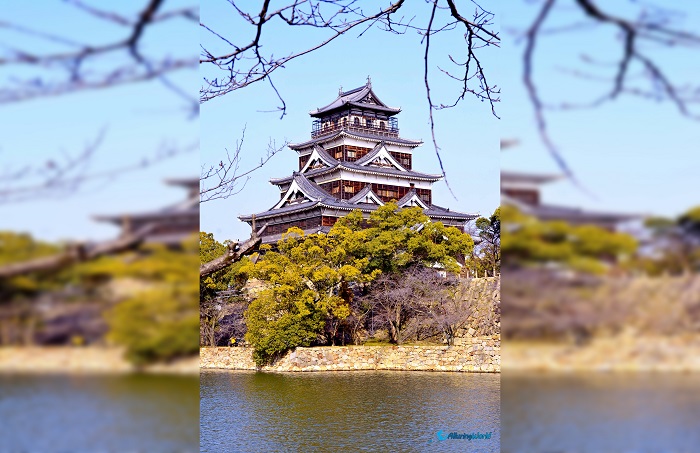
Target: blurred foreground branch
x=76, y=253
x=86, y=66
x=639, y=70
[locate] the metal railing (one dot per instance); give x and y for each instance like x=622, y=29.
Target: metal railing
x=385, y=129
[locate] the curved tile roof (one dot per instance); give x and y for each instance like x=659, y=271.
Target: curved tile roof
x=357, y=97
x=367, y=190
x=353, y=134
x=351, y=166
x=321, y=198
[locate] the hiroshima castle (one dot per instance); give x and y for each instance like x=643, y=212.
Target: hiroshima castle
x=354, y=160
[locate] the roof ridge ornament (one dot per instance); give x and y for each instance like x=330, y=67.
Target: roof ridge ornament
x=340, y=90
x=369, y=82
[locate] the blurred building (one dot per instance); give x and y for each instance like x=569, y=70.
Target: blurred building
x=171, y=225
x=354, y=160
x=522, y=190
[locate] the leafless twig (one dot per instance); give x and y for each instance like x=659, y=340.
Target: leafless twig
x=225, y=179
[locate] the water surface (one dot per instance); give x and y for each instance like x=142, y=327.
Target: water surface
x=347, y=411
x=599, y=412
x=94, y=413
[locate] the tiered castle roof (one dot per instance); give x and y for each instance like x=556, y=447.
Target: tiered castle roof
x=355, y=160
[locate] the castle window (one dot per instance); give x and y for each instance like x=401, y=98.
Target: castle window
x=368, y=122
x=357, y=121
x=388, y=193
x=382, y=125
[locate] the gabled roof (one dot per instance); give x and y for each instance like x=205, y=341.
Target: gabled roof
x=407, y=174
x=362, y=97
x=320, y=155
x=379, y=154
x=412, y=199
x=301, y=189
x=355, y=134
x=365, y=195
x=315, y=197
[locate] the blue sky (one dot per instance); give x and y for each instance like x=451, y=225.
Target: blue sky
x=468, y=134
x=137, y=120
x=632, y=155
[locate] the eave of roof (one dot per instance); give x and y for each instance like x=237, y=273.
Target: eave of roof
x=533, y=178
x=353, y=98
x=350, y=166
x=186, y=208
x=359, y=136
x=564, y=212
x=280, y=211
x=433, y=211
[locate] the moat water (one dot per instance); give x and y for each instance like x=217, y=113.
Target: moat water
x=80, y=413
x=600, y=412
x=348, y=411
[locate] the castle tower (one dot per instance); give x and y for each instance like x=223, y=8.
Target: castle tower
x=354, y=160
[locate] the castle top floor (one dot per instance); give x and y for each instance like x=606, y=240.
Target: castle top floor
x=357, y=110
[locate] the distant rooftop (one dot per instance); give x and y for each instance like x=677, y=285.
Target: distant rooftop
x=512, y=177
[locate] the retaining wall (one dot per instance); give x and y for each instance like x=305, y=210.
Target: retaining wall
x=481, y=355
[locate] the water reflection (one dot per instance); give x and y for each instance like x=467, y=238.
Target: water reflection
x=353, y=411
x=79, y=413
x=619, y=412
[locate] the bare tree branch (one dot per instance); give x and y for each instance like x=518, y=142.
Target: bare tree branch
x=234, y=253
x=225, y=179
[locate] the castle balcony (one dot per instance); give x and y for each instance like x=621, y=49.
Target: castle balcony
x=388, y=127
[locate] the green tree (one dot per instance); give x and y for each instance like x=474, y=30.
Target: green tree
x=587, y=248
x=160, y=322
x=230, y=276
x=19, y=247
x=309, y=278
x=675, y=244
x=397, y=239
x=303, y=282
x=487, y=256
x=220, y=293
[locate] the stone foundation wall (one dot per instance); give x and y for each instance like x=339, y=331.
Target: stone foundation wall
x=480, y=355
x=607, y=354
x=87, y=359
